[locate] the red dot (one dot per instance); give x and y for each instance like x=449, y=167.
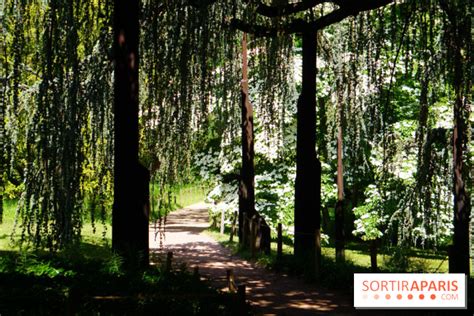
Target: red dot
x=376, y=296
x=399, y=296
x=410, y=296
x=422, y=296
x=433, y=296
x=387, y=296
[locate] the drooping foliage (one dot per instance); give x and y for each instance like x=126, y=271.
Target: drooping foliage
x=58, y=102
x=58, y=113
x=390, y=68
x=191, y=77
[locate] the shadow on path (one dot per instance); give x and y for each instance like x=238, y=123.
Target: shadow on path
x=268, y=292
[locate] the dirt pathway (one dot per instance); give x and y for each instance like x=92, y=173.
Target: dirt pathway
x=269, y=293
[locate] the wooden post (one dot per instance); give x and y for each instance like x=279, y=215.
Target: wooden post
x=308, y=172
x=222, y=221
x=279, y=242
x=232, y=230
x=253, y=236
x=241, y=299
x=231, y=281
x=317, y=257
x=244, y=231
x=196, y=272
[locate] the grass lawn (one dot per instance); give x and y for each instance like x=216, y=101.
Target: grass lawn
x=96, y=236
x=357, y=260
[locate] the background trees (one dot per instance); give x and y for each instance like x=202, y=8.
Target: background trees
x=398, y=75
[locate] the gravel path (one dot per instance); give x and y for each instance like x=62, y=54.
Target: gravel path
x=269, y=293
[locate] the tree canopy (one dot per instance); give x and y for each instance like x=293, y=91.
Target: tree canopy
x=394, y=76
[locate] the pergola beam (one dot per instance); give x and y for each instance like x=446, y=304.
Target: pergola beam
x=347, y=8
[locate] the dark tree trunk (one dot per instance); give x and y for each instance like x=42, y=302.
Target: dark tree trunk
x=129, y=217
x=373, y=255
x=462, y=208
x=2, y=142
x=247, y=173
x=254, y=232
x=339, y=209
x=459, y=49
x=308, y=168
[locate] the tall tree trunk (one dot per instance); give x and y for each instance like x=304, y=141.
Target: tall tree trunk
x=339, y=210
x=247, y=173
x=459, y=47
x=462, y=207
x=424, y=173
x=308, y=167
x=129, y=220
x=323, y=153
x=3, y=106
x=2, y=140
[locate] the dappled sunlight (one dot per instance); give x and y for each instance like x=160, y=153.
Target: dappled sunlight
x=268, y=292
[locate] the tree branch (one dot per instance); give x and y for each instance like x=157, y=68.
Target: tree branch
x=287, y=9
x=201, y=3
x=295, y=26
x=347, y=8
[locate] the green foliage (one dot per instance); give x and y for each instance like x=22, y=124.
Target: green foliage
x=390, y=70
x=369, y=216
x=57, y=284
x=175, y=197
x=58, y=116
x=114, y=266
x=399, y=261
x=11, y=191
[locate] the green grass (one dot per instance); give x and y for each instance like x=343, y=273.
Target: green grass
x=89, y=279
x=6, y=227
x=180, y=196
x=357, y=260
x=95, y=236
x=189, y=194
x=340, y=276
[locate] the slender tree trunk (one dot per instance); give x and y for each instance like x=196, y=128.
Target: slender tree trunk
x=424, y=156
x=2, y=142
x=339, y=210
x=247, y=173
x=373, y=255
x=3, y=105
x=322, y=151
x=308, y=168
x=129, y=218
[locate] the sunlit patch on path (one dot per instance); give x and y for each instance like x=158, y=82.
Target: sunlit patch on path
x=268, y=292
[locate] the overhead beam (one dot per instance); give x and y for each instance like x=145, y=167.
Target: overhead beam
x=300, y=26
x=291, y=8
